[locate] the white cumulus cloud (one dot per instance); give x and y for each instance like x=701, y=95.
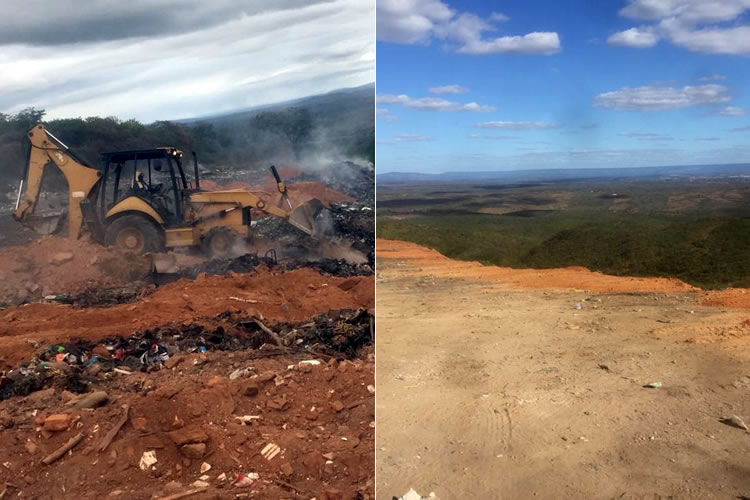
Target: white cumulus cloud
x=654, y=98
x=709, y=26
x=634, y=37
x=414, y=21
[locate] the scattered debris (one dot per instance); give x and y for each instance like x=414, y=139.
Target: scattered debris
x=653, y=385
x=270, y=451
x=55, y=455
x=92, y=400
x=248, y=419
x=246, y=480
x=107, y=439
x=735, y=421
x=413, y=495
x=147, y=459
x=341, y=332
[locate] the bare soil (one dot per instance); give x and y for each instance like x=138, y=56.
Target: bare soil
x=501, y=383
x=57, y=265
x=322, y=420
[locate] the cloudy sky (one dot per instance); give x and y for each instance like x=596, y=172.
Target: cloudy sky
x=476, y=85
x=170, y=59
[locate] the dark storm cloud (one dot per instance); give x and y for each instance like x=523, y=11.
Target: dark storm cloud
x=45, y=22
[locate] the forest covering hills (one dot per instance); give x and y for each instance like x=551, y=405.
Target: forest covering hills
x=328, y=127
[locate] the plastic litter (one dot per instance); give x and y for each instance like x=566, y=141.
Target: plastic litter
x=246, y=480
x=413, y=495
x=270, y=451
x=147, y=459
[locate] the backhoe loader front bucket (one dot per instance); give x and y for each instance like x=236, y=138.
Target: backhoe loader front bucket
x=303, y=217
x=45, y=224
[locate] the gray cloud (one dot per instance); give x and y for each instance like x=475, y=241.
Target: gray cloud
x=44, y=22
x=238, y=58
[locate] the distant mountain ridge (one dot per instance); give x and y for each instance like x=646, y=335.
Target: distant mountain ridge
x=359, y=98
x=575, y=174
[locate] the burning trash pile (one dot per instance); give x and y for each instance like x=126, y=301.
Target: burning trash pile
x=350, y=225
x=358, y=181
x=337, y=334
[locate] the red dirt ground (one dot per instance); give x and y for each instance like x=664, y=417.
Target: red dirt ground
x=322, y=420
x=29, y=271
x=580, y=278
x=276, y=297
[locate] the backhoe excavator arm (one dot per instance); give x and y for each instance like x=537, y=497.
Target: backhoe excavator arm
x=46, y=148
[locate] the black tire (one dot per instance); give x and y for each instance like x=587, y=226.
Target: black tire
x=134, y=233
x=220, y=242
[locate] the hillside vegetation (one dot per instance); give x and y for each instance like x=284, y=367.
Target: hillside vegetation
x=335, y=126
x=704, y=245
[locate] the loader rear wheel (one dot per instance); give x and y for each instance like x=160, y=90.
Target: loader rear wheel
x=220, y=242
x=133, y=233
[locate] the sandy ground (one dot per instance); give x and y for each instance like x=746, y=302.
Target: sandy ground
x=493, y=383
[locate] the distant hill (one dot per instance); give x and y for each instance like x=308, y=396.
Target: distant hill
x=567, y=175
x=312, y=131
x=356, y=103
x=338, y=124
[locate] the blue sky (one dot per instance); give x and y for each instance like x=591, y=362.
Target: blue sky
x=466, y=86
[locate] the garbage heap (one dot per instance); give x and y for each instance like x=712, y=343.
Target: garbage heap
x=337, y=334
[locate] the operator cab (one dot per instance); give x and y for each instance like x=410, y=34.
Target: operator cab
x=154, y=175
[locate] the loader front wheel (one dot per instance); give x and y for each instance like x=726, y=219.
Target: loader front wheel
x=133, y=233
x=220, y=242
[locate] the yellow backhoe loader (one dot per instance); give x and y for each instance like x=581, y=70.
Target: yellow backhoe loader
x=141, y=201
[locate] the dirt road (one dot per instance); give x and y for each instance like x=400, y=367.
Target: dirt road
x=494, y=383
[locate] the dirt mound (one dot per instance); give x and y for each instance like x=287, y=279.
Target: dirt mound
x=58, y=265
x=430, y=262
x=274, y=296
x=273, y=432
x=732, y=297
